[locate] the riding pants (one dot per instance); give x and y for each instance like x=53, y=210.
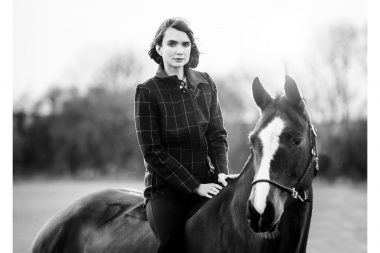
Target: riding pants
x=167, y=215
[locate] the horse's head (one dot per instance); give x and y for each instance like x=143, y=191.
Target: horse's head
x=284, y=155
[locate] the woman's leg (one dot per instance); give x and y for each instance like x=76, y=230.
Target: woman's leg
x=195, y=202
x=167, y=218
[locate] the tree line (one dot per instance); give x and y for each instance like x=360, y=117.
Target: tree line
x=92, y=134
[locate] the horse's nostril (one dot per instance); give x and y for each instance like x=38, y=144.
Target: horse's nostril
x=261, y=223
x=253, y=217
x=267, y=216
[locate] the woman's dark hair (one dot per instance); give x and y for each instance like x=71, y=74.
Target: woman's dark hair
x=180, y=25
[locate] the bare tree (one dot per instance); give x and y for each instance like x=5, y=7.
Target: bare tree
x=120, y=72
x=339, y=74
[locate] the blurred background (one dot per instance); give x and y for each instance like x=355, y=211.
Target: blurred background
x=77, y=63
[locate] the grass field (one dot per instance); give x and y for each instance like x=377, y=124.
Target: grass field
x=339, y=222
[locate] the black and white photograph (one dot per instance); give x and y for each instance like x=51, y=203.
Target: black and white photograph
x=197, y=126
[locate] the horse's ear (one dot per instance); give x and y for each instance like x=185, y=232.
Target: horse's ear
x=261, y=96
x=292, y=92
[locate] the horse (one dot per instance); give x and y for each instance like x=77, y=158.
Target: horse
x=267, y=208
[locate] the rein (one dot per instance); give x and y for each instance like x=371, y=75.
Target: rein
x=302, y=183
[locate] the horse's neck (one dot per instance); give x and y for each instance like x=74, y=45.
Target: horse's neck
x=225, y=214
x=234, y=200
x=234, y=204
x=243, y=185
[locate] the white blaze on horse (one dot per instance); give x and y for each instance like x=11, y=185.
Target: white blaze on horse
x=266, y=209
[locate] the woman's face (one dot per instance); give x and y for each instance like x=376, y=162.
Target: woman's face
x=175, y=49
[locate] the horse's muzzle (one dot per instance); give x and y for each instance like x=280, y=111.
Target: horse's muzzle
x=262, y=223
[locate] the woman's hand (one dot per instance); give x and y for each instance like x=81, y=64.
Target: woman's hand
x=222, y=178
x=207, y=190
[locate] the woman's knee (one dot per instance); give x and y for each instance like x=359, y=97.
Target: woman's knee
x=151, y=220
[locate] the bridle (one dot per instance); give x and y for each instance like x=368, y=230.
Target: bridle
x=305, y=180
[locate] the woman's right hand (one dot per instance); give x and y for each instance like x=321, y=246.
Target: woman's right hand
x=207, y=190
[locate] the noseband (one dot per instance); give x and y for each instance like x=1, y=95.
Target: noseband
x=305, y=180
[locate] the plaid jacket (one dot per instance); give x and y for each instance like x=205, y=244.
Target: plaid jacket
x=180, y=132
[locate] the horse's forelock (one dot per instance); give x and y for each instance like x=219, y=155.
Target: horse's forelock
x=296, y=114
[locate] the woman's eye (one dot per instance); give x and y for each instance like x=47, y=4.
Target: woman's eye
x=171, y=44
x=186, y=44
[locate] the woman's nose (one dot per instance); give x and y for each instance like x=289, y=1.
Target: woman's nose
x=180, y=50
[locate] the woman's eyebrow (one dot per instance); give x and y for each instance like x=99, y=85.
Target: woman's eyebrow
x=176, y=41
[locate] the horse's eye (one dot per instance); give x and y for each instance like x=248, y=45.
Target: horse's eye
x=296, y=141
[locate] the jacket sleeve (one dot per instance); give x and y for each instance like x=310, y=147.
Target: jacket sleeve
x=216, y=134
x=147, y=122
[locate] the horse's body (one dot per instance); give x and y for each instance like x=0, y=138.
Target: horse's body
x=232, y=221
x=101, y=222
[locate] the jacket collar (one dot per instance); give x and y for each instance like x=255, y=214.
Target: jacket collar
x=193, y=77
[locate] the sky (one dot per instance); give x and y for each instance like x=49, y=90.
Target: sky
x=60, y=42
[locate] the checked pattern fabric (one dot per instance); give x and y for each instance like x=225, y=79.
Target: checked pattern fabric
x=180, y=132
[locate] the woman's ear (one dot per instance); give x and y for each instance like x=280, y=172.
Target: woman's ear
x=158, y=49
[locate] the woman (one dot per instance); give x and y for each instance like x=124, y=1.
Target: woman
x=181, y=135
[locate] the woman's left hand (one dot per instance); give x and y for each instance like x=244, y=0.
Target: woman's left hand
x=222, y=178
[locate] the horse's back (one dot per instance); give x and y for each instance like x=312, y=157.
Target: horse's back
x=106, y=221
